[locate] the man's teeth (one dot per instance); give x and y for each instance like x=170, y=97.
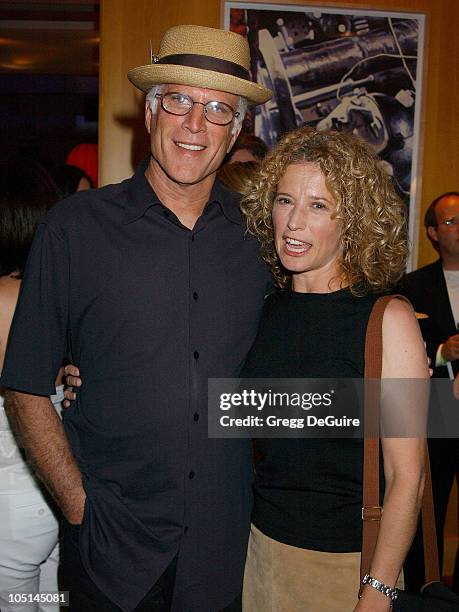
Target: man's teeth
x=190, y=147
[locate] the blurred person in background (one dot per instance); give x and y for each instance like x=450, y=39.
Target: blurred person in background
x=434, y=292
x=70, y=179
x=238, y=175
x=86, y=157
x=28, y=526
x=247, y=147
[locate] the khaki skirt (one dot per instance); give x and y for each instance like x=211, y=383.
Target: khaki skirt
x=283, y=578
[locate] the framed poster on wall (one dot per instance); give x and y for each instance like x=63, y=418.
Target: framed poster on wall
x=348, y=69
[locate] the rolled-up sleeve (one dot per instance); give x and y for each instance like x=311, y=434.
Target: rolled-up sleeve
x=38, y=340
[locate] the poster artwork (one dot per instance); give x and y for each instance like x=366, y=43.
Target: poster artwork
x=345, y=69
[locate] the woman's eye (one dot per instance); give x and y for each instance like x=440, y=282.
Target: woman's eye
x=318, y=205
x=282, y=200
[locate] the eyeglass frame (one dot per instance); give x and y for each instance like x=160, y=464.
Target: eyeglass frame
x=236, y=114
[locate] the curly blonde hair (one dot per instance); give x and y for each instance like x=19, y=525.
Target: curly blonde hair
x=374, y=236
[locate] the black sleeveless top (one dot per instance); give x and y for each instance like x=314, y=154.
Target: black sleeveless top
x=308, y=492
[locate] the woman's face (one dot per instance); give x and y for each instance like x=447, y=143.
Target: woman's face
x=307, y=235
x=84, y=184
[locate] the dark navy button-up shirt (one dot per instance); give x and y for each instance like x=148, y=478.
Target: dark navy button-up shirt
x=149, y=310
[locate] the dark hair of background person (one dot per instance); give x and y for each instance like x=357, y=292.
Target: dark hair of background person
x=250, y=143
x=68, y=178
x=238, y=175
x=27, y=192
x=430, y=219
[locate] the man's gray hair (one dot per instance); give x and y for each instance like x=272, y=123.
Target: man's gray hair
x=152, y=99
x=158, y=89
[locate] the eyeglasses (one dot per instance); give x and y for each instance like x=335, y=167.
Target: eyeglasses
x=215, y=112
x=452, y=222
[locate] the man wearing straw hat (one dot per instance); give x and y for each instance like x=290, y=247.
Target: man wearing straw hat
x=151, y=286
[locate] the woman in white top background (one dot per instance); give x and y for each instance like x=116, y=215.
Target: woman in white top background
x=28, y=525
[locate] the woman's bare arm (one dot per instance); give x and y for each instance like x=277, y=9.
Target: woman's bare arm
x=403, y=357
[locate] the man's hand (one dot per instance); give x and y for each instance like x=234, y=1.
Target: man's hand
x=450, y=349
x=72, y=379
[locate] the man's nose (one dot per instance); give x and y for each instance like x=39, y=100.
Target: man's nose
x=195, y=120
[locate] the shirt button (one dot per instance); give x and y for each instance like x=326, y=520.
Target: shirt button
x=185, y=529
x=191, y=475
x=195, y=416
x=195, y=296
x=196, y=355
x=192, y=238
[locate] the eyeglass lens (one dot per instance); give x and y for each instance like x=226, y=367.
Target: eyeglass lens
x=181, y=104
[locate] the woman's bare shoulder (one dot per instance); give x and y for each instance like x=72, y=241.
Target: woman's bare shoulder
x=9, y=291
x=398, y=309
x=403, y=347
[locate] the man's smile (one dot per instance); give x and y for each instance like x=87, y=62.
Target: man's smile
x=190, y=147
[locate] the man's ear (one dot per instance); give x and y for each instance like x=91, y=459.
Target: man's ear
x=148, y=115
x=432, y=233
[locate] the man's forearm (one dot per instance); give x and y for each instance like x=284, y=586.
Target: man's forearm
x=40, y=432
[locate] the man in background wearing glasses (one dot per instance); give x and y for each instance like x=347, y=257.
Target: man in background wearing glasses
x=151, y=286
x=434, y=292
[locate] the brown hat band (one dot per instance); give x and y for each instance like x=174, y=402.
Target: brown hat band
x=204, y=62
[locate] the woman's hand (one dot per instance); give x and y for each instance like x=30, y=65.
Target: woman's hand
x=373, y=601
x=72, y=379
x=363, y=606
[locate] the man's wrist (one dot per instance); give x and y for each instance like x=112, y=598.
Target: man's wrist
x=72, y=505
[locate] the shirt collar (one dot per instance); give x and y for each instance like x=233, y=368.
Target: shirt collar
x=228, y=201
x=140, y=197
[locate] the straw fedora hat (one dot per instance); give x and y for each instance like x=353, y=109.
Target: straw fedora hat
x=202, y=57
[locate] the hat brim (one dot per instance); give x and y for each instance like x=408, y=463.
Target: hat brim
x=145, y=77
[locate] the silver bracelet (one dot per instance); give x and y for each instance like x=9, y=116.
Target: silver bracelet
x=388, y=591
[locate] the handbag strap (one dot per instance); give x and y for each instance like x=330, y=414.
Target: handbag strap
x=371, y=509
x=429, y=531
